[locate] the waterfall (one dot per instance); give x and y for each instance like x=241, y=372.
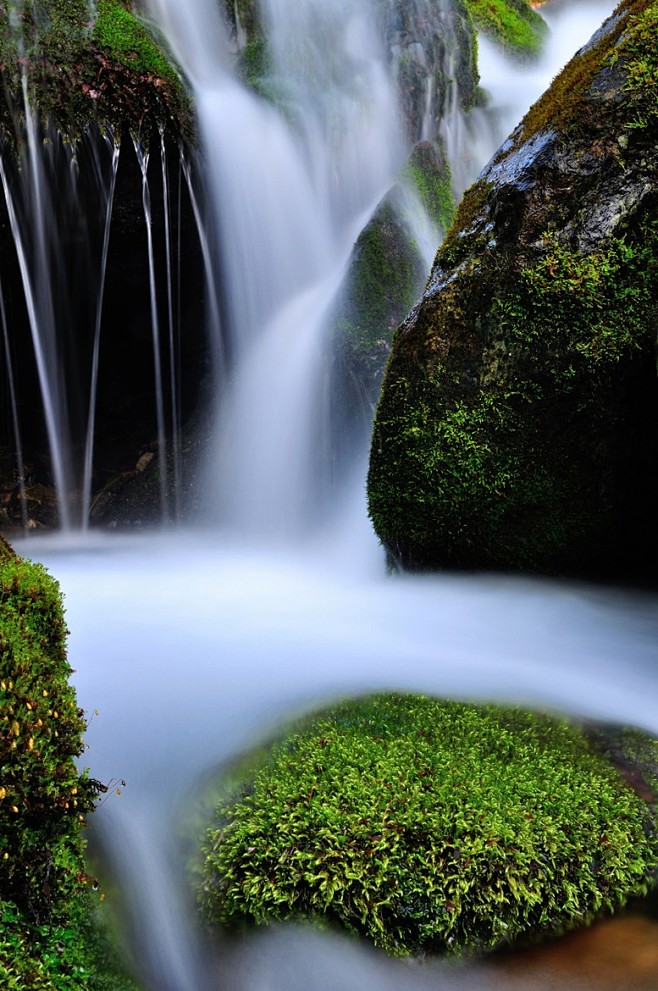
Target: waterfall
x=193, y=648
x=291, y=193
x=34, y=226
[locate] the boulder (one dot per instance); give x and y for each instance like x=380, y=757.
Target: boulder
x=516, y=424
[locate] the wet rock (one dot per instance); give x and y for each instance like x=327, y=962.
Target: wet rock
x=516, y=427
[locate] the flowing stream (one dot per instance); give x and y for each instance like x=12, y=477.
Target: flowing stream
x=190, y=646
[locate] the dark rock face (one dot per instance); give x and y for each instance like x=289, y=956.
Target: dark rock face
x=432, y=47
x=91, y=88
x=516, y=427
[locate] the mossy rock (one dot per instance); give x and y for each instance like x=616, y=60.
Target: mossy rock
x=109, y=71
x=385, y=274
x=516, y=425
x=423, y=36
x=45, y=893
x=429, y=826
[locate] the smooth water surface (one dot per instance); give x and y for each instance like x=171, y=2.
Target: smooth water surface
x=192, y=649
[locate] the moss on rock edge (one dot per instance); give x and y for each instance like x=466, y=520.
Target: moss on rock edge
x=428, y=825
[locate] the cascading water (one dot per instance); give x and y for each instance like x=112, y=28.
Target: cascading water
x=30, y=197
x=193, y=645
x=291, y=195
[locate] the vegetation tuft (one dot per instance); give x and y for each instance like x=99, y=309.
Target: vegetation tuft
x=429, y=825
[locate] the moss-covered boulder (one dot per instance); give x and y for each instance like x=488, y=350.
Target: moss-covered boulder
x=429, y=825
x=44, y=797
x=516, y=426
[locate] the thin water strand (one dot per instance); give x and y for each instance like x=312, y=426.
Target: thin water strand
x=171, y=335
x=213, y=318
x=143, y=156
x=112, y=143
x=15, y=419
x=42, y=327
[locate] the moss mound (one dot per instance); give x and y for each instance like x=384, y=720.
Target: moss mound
x=429, y=825
x=45, y=897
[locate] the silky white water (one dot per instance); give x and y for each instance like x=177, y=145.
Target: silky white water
x=290, y=193
x=191, y=649
x=193, y=645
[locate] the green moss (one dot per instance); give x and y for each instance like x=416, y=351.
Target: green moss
x=468, y=482
x=430, y=178
x=78, y=955
x=127, y=40
x=459, y=241
x=577, y=314
x=640, y=63
x=428, y=825
x=385, y=276
x=512, y=23
x=44, y=798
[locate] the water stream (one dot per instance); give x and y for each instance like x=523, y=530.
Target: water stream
x=192, y=648
x=194, y=644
